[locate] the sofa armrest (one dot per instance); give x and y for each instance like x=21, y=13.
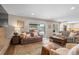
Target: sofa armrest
x=53, y=52
x=70, y=45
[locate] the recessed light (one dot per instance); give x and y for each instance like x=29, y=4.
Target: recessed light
x=72, y=8
x=33, y=13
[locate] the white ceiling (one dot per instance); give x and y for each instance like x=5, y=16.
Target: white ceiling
x=59, y=12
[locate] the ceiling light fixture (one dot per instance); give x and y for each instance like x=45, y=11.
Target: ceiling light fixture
x=33, y=13
x=72, y=8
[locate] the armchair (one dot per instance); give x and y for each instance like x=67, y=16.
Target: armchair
x=62, y=51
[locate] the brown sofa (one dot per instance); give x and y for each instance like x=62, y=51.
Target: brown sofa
x=31, y=40
x=26, y=38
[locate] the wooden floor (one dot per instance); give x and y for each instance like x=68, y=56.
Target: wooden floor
x=10, y=50
x=27, y=49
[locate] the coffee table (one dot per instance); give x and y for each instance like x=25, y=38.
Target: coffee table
x=59, y=40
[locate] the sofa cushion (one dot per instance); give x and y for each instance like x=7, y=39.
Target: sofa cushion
x=74, y=50
x=28, y=36
x=62, y=51
x=70, y=45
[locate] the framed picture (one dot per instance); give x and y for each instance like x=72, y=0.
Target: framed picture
x=49, y=25
x=20, y=23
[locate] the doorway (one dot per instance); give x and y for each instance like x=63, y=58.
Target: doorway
x=39, y=27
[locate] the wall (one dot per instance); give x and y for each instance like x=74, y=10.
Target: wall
x=3, y=17
x=70, y=26
x=73, y=26
x=13, y=22
x=4, y=42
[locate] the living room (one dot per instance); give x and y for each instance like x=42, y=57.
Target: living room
x=36, y=28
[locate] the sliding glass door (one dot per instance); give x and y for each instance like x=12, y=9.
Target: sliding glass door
x=39, y=27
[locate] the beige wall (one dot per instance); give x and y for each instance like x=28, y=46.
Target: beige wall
x=73, y=26
x=4, y=41
x=13, y=21
x=70, y=26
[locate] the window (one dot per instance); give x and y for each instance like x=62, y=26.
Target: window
x=39, y=27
